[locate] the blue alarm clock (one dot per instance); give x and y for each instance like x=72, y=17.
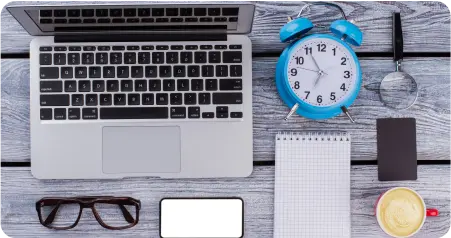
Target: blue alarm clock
x=319, y=76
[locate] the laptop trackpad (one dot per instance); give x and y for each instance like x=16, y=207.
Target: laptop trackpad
x=141, y=150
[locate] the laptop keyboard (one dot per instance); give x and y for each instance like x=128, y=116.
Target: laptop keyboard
x=109, y=82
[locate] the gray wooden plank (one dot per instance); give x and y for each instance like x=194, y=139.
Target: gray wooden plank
x=20, y=191
x=432, y=110
x=426, y=25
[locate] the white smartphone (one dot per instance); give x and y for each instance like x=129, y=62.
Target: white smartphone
x=202, y=217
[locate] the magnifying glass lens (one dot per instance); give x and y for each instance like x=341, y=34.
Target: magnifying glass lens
x=398, y=90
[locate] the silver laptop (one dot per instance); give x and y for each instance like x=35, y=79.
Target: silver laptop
x=140, y=90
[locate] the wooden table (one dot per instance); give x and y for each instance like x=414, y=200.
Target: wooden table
x=427, y=44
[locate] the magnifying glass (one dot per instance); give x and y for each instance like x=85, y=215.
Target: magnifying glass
x=398, y=90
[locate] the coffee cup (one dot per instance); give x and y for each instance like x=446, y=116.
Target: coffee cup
x=401, y=212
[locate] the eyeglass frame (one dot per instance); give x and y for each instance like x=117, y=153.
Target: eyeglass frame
x=89, y=202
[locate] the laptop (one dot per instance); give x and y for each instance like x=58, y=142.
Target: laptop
x=140, y=90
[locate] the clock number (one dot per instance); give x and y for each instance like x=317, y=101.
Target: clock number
x=347, y=74
x=299, y=60
x=321, y=47
x=319, y=99
x=332, y=96
x=294, y=72
x=296, y=85
x=307, y=50
x=343, y=61
x=308, y=93
x=335, y=51
x=343, y=87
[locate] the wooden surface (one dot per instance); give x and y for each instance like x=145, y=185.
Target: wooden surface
x=426, y=28
x=432, y=109
x=426, y=25
x=22, y=191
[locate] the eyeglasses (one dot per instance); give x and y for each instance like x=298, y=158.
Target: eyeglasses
x=115, y=213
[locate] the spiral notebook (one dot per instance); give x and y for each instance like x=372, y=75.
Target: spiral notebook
x=312, y=185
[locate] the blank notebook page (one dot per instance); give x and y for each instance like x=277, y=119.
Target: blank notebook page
x=312, y=185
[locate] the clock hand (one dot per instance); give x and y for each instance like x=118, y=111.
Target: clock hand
x=317, y=79
x=308, y=69
x=316, y=64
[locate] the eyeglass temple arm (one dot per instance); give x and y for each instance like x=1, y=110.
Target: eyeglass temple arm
x=51, y=216
x=128, y=217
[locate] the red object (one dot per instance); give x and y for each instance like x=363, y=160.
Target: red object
x=431, y=212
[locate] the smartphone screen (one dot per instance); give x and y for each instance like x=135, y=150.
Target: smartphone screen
x=201, y=217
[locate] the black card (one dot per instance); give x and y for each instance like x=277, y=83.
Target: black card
x=396, y=149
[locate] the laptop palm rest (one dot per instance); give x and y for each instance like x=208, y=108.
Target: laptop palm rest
x=141, y=150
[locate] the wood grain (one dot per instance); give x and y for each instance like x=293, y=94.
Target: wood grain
x=426, y=25
x=20, y=191
x=432, y=109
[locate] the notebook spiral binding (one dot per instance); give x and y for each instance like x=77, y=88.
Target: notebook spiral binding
x=313, y=136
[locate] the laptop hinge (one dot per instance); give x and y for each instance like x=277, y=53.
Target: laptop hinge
x=141, y=37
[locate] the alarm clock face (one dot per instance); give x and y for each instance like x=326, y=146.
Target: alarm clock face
x=322, y=72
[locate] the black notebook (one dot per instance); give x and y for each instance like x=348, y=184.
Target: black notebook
x=396, y=149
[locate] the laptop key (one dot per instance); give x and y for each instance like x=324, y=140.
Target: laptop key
x=147, y=99
x=144, y=12
x=172, y=57
x=73, y=113
x=59, y=48
x=168, y=85
x=230, y=11
x=214, y=11
x=206, y=47
x=222, y=71
x=137, y=72
x=161, y=98
x=236, y=70
x=200, y=11
x=81, y=72
x=222, y=112
x=45, y=48
x=73, y=58
x=204, y=98
x=154, y=85
x=87, y=12
x=134, y=113
x=45, y=59
x=227, y=98
x=48, y=100
x=211, y=84
x=162, y=47
x=207, y=71
x=46, y=114
x=95, y=72
x=59, y=59
x=73, y=12
x=116, y=12
x=193, y=71
x=101, y=12
x=165, y=71
x=119, y=99
x=87, y=58
x=49, y=72
x=133, y=99
x=103, y=20
x=105, y=100
x=214, y=57
x=132, y=20
x=140, y=85
x=186, y=57
x=109, y=72
x=98, y=86
x=70, y=86
x=67, y=72
x=112, y=86
x=151, y=71
x=126, y=85
x=90, y=113
x=59, y=114
x=118, y=20
x=130, y=58
x=130, y=12
x=200, y=57
x=193, y=112
x=77, y=100
x=84, y=86
x=208, y=115
x=197, y=85
x=186, y=11
x=178, y=112
x=144, y=58
x=230, y=84
x=162, y=20
x=45, y=13
x=232, y=56
x=183, y=85
x=103, y=48
x=235, y=47
x=91, y=99
x=179, y=71
x=236, y=115
x=51, y=86
x=157, y=57
x=157, y=12
x=172, y=11
x=190, y=98
x=89, y=20
x=74, y=48
x=101, y=58
x=116, y=58
x=176, y=99
x=191, y=19
x=205, y=19
x=122, y=72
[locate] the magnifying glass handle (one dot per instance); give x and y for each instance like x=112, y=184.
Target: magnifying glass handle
x=398, y=41
x=346, y=112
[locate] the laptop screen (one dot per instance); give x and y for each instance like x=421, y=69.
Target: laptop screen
x=70, y=19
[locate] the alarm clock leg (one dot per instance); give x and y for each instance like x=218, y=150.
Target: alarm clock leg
x=293, y=110
x=345, y=110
